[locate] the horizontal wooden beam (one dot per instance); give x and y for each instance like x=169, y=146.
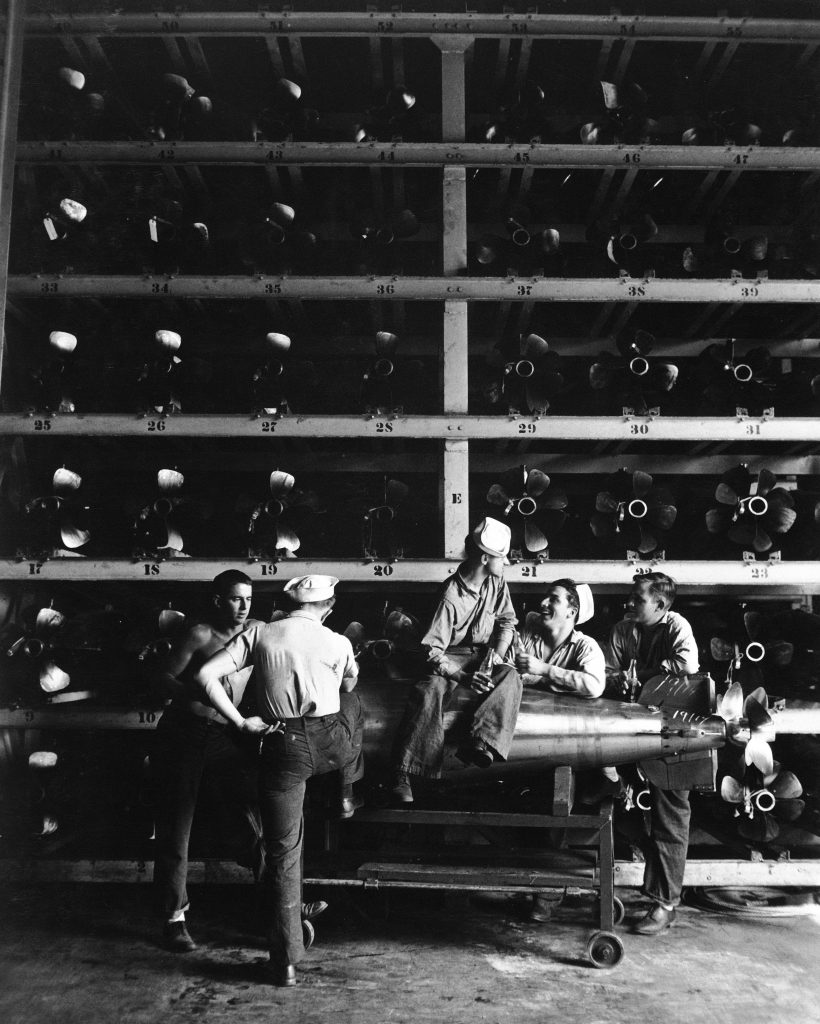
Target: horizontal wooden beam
x=416, y=154
x=422, y=289
x=798, y=577
x=457, y=427
x=793, y=31
x=718, y=873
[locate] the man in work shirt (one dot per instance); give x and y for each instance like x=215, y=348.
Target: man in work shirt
x=552, y=653
x=468, y=639
x=311, y=723
x=659, y=641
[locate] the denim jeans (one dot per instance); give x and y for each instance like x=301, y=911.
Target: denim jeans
x=419, y=746
x=187, y=749
x=306, y=747
x=667, y=845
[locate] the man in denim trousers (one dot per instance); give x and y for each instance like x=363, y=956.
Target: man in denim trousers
x=468, y=639
x=659, y=641
x=194, y=741
x=309, y=723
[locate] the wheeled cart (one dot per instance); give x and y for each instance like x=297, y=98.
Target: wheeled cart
x=506, y=868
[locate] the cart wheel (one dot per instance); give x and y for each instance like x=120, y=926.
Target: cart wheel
x=605, y=949
x=308, y=934
x=618, y=909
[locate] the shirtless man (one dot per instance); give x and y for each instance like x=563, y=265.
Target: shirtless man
x=193, y=737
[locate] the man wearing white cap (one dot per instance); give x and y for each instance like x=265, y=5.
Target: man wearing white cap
x=552, y=653
x=311, y=723
x=472, y=628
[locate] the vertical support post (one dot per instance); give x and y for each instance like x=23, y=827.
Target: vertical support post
x=454, y=492
x=10, y=75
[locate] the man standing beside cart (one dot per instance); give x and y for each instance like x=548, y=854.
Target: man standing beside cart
x=653, y=640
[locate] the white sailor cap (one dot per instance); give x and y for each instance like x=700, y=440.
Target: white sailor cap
x=586, y=603
x=492, y=537
x=307, y=589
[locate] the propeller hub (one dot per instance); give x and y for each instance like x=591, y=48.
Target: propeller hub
x=643, y=800
x=383, y=367
x=757, y=505
x=755, y=651
x=764, y=800
x=381, y=649
x=33, y=647
x=521, y=237
x=742, y=373
x=637, y=508
x=274, y=508
x=524, y=368
x=731, y=245
x=526, y=505
x=639, y=366
x=628, y=241
x=163, y=506
x=383, y=514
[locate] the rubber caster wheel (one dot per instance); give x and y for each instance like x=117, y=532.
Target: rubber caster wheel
x=619, y=910
x=308, y=934
x=605, y=950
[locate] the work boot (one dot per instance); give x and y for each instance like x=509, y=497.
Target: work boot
x=175, y=937
x=401, y=790
x=312, y=910
x=657, y=920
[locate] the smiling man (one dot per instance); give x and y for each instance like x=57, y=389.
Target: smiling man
x=552, y=653
x=658, y=641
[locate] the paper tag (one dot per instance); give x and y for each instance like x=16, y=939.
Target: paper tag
x=51, y=231
x=152, y=229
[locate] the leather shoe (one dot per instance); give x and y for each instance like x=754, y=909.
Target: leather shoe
x=478, y=754
x=175, y=937
x=349, y=805
x=658, y=919
x=283, y=975
x=312, y=910
x=401, y=790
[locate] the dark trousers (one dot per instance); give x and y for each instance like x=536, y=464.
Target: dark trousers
x=186, y=748
x=306, y=747
x=419, y=748
x=667, y=845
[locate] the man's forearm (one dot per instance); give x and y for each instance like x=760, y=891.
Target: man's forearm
x=212, y=685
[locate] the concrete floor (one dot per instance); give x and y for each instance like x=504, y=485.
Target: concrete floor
x=88, y=954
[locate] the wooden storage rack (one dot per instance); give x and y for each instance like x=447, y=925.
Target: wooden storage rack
x=83, y=37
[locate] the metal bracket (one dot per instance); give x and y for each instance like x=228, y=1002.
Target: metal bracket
x=750, y=558
x=634, y=557
x=742, y=414
x=629, y=413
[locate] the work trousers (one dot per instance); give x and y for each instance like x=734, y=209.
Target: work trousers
x=667, y=845
x=305, y=747
x=186, y=749
x=419, y=747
